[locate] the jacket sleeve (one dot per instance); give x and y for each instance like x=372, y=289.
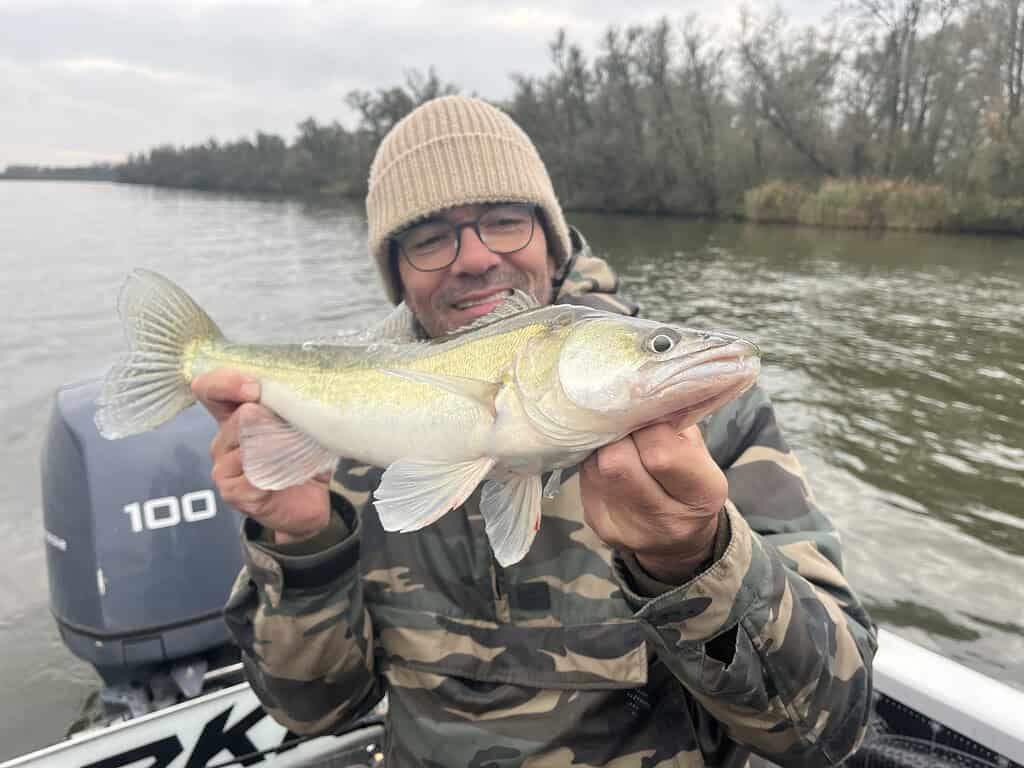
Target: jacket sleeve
x=297, y=614
x=769, y=638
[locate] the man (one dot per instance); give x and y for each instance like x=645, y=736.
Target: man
x=683, y=600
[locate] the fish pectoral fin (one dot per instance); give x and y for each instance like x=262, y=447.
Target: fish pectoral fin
x=554, y=485
x=414, y=493
x=511, y=512
x=481, y=392
x=276, y=455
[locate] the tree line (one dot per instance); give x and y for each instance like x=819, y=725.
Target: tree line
x=96, y=172
x=672, y=117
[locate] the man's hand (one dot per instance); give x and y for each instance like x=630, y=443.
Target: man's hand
x=656, y=493
x=293, y=513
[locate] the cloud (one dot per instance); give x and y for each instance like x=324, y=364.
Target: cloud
x=102, y=78
x=105, y=66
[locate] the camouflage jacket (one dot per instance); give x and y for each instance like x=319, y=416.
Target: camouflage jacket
x=573, y=656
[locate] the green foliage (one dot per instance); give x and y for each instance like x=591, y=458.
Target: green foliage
x=984, y=213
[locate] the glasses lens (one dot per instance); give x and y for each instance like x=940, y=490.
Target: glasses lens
x=429, y=246
x=507, y=228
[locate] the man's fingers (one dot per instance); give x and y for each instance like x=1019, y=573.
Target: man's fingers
x=620, y=476
x=226, y=439
x=228, y=466
x=669, y=456
x=243, y=495
x=595, y=510
x=618, y=494
x=681, y=464
x=222, y=392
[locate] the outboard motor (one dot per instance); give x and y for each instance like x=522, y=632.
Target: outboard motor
x=141, y=552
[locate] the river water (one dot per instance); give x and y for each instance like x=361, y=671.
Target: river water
x=896, y=363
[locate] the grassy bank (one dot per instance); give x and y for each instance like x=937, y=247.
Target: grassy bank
x=883, y=204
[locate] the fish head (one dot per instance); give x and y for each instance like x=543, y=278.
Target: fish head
x=636, y=372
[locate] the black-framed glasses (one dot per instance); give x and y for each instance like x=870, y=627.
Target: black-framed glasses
x=434, y=245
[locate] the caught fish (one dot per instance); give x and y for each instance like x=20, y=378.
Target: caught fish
x=523, y=391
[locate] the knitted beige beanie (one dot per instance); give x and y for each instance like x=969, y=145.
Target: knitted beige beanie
x=451, y=151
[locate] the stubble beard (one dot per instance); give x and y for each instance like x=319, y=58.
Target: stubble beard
x=440, y=323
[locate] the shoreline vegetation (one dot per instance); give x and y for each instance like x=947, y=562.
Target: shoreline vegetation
x=893, y=114
x=882, y=204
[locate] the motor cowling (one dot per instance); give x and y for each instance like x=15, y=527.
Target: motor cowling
x=141, y=549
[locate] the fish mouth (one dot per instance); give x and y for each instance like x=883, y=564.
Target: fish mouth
x=693, y=412
x=722, y=372
x=710, y=379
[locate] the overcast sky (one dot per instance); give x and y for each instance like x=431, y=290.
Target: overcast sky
x=82, y=82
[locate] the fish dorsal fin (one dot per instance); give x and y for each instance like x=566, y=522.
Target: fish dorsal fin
x=275, y=454
x=511, y=512
x=399, y=325
x=517, y=303
x=415, y=493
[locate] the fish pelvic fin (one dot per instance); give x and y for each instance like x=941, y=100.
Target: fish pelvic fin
x=150, y=385
x=275, y=454
x=511, y=512
x=415, y=493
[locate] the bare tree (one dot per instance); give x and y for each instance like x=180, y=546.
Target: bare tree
x=423, y=87
x=1014, y=60
x=570, y=87
x=668, y=132
x=702, y=72
x=905, y=72
x=793, y=80
x=618, y=178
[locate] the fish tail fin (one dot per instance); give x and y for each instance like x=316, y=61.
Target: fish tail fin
x=150, y=385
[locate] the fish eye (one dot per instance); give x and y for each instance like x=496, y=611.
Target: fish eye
x=663, y=341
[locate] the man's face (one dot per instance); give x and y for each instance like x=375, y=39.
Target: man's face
x=477, y=281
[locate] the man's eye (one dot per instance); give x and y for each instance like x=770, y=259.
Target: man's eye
x=428, y=242
x=504, y=225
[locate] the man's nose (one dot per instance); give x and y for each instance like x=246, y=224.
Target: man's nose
x=474, y=258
